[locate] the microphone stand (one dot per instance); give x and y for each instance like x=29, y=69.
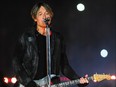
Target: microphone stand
x=48, y=54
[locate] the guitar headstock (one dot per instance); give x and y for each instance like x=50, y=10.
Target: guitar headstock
x=100, y=77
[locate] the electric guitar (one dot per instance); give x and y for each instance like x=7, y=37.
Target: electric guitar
x=95, y=78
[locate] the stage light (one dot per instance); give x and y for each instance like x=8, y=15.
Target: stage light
x=6, y=80
x=13, y=80
x=80, y=7
x=104, y=53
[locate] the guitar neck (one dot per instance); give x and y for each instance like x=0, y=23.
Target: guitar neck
x=69, y=83
x=96, y=77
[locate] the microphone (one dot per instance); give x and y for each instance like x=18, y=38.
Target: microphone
x=46, y=20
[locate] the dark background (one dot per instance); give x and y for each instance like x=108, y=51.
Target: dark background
x=85, y=33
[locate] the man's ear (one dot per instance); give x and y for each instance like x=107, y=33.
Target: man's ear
x=34, y=18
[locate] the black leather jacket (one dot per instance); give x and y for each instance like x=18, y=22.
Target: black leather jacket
x=26, y=57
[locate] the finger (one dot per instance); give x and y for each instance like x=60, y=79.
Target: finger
x=86, y=75
x=82, y=80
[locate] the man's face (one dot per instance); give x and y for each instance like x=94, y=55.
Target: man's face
x=41, y=15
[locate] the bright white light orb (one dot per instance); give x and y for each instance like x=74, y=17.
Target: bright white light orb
x=80, y=7
x=104, y=53
x=13, y=80
x=6, y=80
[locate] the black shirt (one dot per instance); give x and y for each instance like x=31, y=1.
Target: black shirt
x=41, y=43
x=42, y=67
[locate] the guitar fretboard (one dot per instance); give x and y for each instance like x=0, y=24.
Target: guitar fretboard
x=69, y=83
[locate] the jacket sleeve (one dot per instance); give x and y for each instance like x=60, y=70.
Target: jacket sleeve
x=66, y=68
x=18, y=67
